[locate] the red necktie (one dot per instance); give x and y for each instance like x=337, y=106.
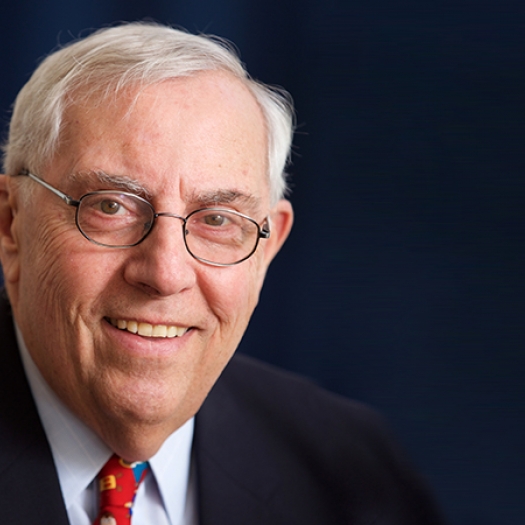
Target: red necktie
x=118, y=488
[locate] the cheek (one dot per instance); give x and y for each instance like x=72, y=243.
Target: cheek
x=47, y=266
x=232, y=294
x=61, y=272
x=62, y=284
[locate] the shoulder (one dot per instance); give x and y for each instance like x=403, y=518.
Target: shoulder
x=328, y=448
x=283, y=395
x=291, y=410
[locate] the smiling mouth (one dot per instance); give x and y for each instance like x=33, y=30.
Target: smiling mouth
x=148, y=330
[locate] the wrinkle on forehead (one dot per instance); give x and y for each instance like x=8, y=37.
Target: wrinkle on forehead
x=213, y=143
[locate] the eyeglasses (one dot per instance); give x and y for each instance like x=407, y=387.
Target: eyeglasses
x=121, y=220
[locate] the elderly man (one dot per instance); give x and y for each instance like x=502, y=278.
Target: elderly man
x=141, y=207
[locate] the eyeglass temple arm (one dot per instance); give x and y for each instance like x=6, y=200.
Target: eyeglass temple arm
x=66, y=198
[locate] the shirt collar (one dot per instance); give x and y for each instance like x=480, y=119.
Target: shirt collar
x=79, y=453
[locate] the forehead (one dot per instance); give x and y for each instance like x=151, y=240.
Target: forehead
x=187, y=136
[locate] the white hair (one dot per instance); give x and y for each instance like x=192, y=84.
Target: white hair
x=134, y=54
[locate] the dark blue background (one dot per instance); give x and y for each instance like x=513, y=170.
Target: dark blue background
x=402, y=284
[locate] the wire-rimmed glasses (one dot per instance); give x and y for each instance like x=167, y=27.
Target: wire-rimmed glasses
x=118, y=219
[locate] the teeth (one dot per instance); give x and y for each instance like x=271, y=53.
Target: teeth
x=145, y=329
x=159, y=331
x=148, y=330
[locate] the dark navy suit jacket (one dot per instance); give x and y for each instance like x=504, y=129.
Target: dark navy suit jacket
x=269, y=449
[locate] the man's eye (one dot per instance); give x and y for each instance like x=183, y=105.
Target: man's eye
x=110, y=207
x=216, y=220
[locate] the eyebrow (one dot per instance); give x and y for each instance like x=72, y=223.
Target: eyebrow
x=117, y=181
x=223, y=196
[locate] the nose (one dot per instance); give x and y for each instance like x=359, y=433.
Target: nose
x=161, y=264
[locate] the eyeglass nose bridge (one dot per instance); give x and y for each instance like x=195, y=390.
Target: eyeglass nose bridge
x=168, y=214
x=173, y=216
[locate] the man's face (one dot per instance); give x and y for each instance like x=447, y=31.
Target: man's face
x=189, y=143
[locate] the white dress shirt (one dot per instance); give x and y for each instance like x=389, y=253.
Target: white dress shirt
x=165, y=497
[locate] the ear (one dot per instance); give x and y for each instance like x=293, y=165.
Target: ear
x=281, y=220
x=8, y=238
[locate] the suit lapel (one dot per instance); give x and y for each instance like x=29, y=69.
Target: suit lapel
x=29, y=487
